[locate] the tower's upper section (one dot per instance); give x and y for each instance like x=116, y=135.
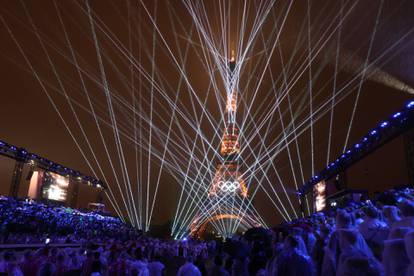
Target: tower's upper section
x=230, y=146
x=232, y=63
x=231, y=92
x=231, y=104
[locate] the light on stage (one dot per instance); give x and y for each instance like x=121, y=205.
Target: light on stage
x=319, y=192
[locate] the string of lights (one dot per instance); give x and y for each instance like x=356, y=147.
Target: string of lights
x=387, y=130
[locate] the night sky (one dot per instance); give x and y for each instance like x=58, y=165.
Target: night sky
x=28, y=118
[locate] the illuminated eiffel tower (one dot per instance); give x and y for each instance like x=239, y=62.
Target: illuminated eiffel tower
x=227, y=197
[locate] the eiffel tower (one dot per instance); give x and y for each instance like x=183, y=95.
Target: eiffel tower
x=228, y=193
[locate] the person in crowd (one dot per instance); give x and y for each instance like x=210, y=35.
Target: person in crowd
x=395, y=259
x=240, y=266
x=61, y=267
x=28, y=264
x=333, y=249
x=407, y=210
x=96, y=269
x=188, y=269
x=390, y=214
x=156, y=267
x=372, y=224
x=360, y=266
x=138, y=264
x=74, y=263
x=351, y=247
x=174, y=263
x=291, y=260
x=409, y=247
x=9, y=265
x=87, y=263
x=47, y=269
x=201, y=264
x=322, y=237
x=373, y=229
x=218, y=269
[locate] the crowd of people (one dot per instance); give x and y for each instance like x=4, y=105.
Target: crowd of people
x=28, y=221
x=362, y=238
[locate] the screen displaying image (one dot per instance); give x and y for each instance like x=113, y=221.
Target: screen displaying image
x=55, y=187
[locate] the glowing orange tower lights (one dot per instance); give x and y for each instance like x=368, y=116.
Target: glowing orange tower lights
x=228, y=189
x=227, y=178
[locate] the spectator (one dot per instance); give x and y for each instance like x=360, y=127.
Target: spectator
x=395, y=259
x=139, y=266
x=374, y=230
x=28, y=265
x=156, y=267
x=240, y=266
x=218, y=269
x=409, y=247
x=407, y=210
x=391, y=214
x=334, y=249
x=291, y=260
x=189, y=269
x=360, y=266
x=96, y=268
x=47, y=269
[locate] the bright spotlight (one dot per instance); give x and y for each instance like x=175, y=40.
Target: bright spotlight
x=396, y=115
x=410, y=104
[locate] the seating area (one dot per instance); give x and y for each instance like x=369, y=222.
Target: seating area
x=375, y=237
x=28, y=222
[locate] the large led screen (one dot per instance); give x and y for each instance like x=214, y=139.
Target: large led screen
x=55, y=187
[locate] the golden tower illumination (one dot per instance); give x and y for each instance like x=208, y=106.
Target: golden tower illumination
x=228, y=187
x=227, y=178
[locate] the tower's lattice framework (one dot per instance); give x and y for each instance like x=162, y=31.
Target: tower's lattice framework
x=227, y=197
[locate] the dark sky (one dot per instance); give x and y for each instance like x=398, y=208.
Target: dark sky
x=28, y=118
